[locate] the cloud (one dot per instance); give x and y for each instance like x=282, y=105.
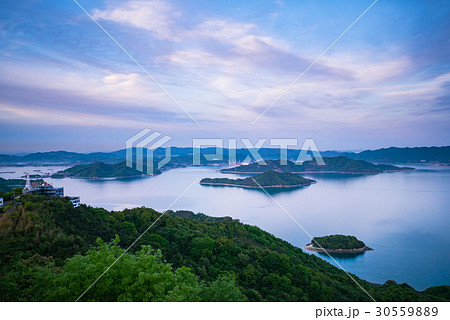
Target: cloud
x=197, y=58
x=97, y=85
x=49, y=116
x=430, y=89
x=224, y=66
x=231, y=40
x=155, y=16
x=223, y=30
x=369, y=67
x=130, y=96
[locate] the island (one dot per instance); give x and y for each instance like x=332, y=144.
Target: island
x=338, y=164
x=100, y=170
x=269, y=179
x=337, y=243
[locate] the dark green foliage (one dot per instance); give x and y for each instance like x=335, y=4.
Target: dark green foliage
x=141, y=276
x=46, y=244
x=337, y=241
x=439, y=291
x=266, y=179
x=346, y=165
x=100, y=170
x=11, y=194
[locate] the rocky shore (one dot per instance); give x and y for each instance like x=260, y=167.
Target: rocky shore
x=310, y=247
x=254, y=187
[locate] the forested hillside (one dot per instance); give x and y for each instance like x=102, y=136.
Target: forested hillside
x=50, y=251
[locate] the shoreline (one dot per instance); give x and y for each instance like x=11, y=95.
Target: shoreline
x=254, y=187
x=306, y=172
x=310, y=247
x=340, y=172
x=98, y=178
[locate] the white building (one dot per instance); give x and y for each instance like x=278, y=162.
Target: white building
x=28, y=188
x=1, y=202
x=75, y=201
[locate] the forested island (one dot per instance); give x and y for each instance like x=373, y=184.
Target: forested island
x=120, y=169
x=338, y=164
x=337, y=243
x=51, y=251
x=100, y=170
x=269, y=179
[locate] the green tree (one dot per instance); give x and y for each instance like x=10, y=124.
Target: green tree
x=223, y=289
x=134, y=277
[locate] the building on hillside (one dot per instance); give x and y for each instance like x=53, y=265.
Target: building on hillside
x=75, y=201
x=47, y=189
x=1, y=202
x=44, y=188
x=28, y=187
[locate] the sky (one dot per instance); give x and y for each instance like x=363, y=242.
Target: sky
x=66, y=85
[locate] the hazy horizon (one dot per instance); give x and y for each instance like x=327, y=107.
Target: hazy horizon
x=66, y=85
x=268, y=147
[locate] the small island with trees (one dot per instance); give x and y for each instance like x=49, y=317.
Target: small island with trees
x=337, y=243
x=269, y=179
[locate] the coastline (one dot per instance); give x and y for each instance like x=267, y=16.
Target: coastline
x=321, y=171
x=310, y=247
x=254, y=187
x=317, y=171
x=304, y=172
x=98, y=178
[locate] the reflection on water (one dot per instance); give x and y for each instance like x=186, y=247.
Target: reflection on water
x=342, y=256
x=402, y=215
x=335, y=176
x=275, y=191
x=124, y=180
x=271, y=191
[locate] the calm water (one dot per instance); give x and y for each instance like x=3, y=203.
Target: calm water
x=404, y=216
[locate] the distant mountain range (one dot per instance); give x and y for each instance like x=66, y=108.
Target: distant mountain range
x=338, y=164
x=183, y=156
x=430, y=155
x=63, y=157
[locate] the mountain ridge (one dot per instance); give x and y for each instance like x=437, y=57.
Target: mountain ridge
x=411, y=155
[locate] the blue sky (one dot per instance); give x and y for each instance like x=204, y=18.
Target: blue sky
x=65, y=85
